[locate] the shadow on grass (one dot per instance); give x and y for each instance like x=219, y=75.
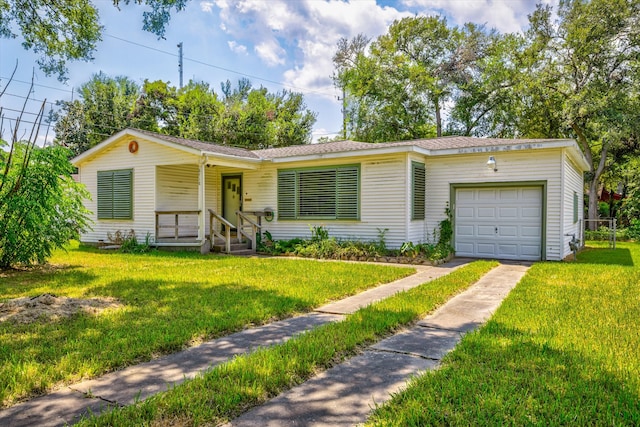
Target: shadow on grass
x=606, y=256
x=18, y=282
x=501, y=376
x=159, y=317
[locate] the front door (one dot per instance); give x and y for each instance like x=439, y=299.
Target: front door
x=231, y=197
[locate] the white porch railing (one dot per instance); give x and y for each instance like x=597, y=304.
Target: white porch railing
x=180, y=229
x=214, y=219
x=248, y=228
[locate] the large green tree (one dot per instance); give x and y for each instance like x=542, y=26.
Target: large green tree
x=104, y=106
x=242, y=116
x=40, y=204
x=69, y=30
x=401, y=86
x=580, y=78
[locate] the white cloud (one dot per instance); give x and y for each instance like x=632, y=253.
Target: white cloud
x=303, y=34
x=237, y=48
x=206, y=6
x=271, y=52
x=503, y=15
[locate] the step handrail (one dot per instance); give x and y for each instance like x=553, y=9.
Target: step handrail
x=213, y=216
x=254, y=227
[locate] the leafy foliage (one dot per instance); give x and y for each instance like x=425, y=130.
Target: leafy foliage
x=40, y=204
x=69, y=30
x=243, y=116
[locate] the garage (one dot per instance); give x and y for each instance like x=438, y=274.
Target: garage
x=499, y=222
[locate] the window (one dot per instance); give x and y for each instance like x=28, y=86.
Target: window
x=418, y=187
x=115, y=195
x=322, y=193
x=575, y=207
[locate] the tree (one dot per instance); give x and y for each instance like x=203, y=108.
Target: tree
x=104, y=108
x=580, y=78
x=69, y=30
x=400, y=89
x=40, y=204
x=244, y=116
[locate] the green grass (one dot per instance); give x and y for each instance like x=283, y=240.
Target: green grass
x=171, y=301
x=564, y=348
x=251, y=379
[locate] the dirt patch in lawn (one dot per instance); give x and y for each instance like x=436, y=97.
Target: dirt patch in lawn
x=48, y=307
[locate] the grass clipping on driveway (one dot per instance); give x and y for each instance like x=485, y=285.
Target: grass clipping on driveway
x=563, y=349
x=168, y=302
x=249, y=380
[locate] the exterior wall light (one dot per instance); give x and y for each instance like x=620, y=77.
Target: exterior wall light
x=491, y=164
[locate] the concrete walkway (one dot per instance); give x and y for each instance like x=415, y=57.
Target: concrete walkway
x=346, y=394
x=369, y=377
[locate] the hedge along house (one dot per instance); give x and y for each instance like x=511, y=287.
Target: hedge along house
x=509, y=199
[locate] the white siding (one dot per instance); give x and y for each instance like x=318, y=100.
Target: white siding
x=513, y=166
x=573, y=182
x=383, y=204
x=143, y=163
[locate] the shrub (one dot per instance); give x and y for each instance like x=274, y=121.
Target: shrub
x=40, y=204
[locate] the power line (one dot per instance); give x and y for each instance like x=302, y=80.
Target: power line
x=206, y=64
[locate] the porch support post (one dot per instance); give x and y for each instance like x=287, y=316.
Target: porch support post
x=201, y=199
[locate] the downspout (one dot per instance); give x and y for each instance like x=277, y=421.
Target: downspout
x=562, y=203
x=201, y=198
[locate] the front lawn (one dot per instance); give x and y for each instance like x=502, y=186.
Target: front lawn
x=563, y=349
x=170, y=301
x=231, y=388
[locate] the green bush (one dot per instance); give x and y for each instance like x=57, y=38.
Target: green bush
x=40, y=204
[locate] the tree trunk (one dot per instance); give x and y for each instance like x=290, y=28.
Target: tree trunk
x=592, y=212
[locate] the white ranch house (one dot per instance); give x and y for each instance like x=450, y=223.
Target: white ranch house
x=524, y=206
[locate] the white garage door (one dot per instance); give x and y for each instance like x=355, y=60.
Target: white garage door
x=502, y=223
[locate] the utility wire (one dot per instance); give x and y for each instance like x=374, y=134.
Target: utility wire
x=297, y=88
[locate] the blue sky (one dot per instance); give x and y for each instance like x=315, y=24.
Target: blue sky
x=275, y=43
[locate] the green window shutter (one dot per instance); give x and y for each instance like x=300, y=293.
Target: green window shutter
x=575, y=207
x=348, y=193
x=418, y=187
x=317, y=193
x=286, y=194
x=320, y=193
x=105, y=195
x=115, y=194
x=122, y=194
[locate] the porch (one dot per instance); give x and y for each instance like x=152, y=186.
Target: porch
x=181, y=229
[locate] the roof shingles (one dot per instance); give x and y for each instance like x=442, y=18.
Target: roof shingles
x=443, y=143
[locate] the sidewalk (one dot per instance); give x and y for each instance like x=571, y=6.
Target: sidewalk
x=346, y=394
x=393, y=363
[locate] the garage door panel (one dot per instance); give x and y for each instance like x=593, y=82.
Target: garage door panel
x=485, y=213
x=507, y=213
x=486, y=249
x=508, y=231
x=499, y=222
x=530, y=231
x=465, y=195
x=508, y=195
x=486, y=230
x=488, y=195
x=506, y=250
x=465, y=212
x=532, y=194
x=465, y=248
x=531, y=212
x=465, y=230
